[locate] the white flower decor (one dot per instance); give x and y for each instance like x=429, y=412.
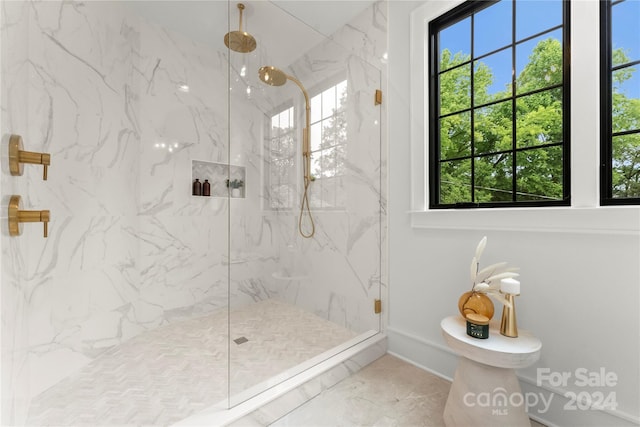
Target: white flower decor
x=487, y=280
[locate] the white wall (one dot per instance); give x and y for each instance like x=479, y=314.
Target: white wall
x=579, y=266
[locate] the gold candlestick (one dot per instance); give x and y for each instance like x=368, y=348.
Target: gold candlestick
x=509, y=326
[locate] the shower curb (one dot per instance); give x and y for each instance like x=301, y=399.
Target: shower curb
x=283, y=398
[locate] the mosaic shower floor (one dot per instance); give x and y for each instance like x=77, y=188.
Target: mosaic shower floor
x=167, y=374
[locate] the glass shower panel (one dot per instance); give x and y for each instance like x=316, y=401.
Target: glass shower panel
x=16, y=264
x=184, y=242
x=296, y=300
x=120, y=315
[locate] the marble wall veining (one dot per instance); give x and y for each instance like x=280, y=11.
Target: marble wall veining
x=129, y=249
x=183, y=238
x=13, y=81
x=340, y=272
x=71, y=287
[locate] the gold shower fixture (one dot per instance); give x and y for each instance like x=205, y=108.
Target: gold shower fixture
x=18, y=157
x=17, y=216
x=240, y=41
x=275, y=77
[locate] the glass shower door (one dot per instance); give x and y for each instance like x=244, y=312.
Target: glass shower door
x=301, y=290
x=16, y=256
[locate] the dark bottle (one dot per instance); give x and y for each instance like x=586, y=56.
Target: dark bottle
x=197, y=188
x=206, y=188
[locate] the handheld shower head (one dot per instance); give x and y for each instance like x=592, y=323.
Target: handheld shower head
x=240, y=41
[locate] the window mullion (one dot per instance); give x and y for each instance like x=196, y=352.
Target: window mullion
x=514, y=111
x=472, y=113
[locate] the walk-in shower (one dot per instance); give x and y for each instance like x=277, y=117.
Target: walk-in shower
x=150, y=303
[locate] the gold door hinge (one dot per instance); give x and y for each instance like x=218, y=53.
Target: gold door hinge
x=378, y=98
x=377, y=306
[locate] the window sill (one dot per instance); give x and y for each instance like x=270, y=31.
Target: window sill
x=597, y=220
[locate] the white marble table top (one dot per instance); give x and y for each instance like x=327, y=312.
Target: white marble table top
x=497, y=350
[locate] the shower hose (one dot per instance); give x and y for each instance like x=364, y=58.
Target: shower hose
x=304, y=204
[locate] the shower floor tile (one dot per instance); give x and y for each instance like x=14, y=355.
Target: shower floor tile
x=167, y=374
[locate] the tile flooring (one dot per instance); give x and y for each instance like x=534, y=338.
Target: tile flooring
x=167, y=374
x=388, y=392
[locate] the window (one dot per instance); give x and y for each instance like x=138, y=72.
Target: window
x=328, y=146
x=499, y=105
x=620, y=102
x=281, y=159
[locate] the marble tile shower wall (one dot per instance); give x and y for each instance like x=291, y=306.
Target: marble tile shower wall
x=76, y=104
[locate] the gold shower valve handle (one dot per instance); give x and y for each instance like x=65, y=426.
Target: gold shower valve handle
x=44, y=217
x=18, y=216
x=17, y=157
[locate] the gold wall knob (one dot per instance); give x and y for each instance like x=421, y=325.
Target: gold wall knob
x=18, y=216
x=17, y=157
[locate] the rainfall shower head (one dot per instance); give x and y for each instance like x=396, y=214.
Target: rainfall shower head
x=272, y=76
x=240, y=41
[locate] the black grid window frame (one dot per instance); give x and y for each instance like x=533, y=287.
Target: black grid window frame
x=606, y=109
x=455, y=15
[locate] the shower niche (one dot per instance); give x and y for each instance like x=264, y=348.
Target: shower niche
x=225, y=180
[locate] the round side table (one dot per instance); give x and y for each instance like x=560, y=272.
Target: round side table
x=485, y=389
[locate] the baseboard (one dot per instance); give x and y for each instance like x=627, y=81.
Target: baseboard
x=438, y=359
x=433, y=357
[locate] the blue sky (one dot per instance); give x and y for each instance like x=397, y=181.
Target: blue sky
x=534, y=16
x=625, y=33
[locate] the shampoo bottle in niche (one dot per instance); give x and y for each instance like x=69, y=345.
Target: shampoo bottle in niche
x=197, y=188
x=206, y=188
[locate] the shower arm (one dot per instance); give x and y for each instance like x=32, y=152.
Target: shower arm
x=240, y=9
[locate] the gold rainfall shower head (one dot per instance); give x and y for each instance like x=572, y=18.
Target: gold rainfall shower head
x=272, y=76
x=240, y=41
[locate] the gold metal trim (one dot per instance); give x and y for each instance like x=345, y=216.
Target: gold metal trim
x=17, y=217
x=240, y=41
x=15, y=147
x=378, y=97
x=377, y=306
x=15, y=228
x=17, y=157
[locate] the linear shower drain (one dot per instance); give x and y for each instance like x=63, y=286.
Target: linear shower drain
x=240, y=340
